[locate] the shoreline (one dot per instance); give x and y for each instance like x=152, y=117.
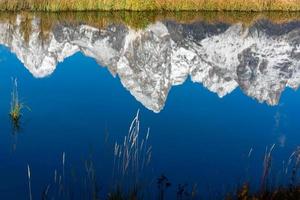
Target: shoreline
x=140, y=20
x=150, y=5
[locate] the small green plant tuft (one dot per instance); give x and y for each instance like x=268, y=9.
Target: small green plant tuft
x=16, y=105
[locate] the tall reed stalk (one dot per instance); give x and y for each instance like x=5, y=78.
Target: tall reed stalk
x=63, y=166
x=266, y=166
x=295, y=157
x=29, y=182
x=134, y=154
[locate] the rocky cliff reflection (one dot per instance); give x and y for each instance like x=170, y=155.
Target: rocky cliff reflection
x=262, y=57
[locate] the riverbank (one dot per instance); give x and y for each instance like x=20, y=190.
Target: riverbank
x=140, y=20
x=142, y=5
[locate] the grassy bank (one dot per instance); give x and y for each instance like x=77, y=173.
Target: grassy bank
x=141, y=5
x=140, y=20
x=137, y=20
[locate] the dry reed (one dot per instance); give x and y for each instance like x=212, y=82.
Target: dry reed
x=140, y=5
x=131, y=157
x=29, y=182
x=294, y=158
x=267, y=163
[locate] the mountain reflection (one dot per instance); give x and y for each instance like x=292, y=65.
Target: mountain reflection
x=259, y=54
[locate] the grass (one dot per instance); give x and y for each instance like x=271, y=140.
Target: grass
x=281, y=193
x=164, y=187
x=16, y=106
x=129, y=161
x=29, y=182
x=266, y=166
x=132, y=158
x=133, y=155
x=136, y=20
x=142, y=5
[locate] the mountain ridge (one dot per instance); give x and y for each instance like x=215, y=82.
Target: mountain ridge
x=261, y=59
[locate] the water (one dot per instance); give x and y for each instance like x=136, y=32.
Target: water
x=210, y=87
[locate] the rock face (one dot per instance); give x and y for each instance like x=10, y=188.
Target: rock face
x=262, y=59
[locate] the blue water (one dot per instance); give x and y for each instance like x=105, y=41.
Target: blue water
x=197, y=138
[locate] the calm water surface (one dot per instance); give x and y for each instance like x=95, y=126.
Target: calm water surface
x=214, y=93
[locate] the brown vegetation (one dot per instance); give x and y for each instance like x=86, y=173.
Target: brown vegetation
x=140, y=5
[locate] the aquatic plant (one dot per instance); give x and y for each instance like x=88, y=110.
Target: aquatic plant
x=119, y=194
x=163, y=184
x=295, y=156
x=16, y=105
x=130, y=161
x=183, y=192
x=243, y=192
x=131, y=192
x=134, y=154
x=267, y=163
x=29, y=182
x=131, y=158
x=91, y=180
x=116, y=195
x=281, y=193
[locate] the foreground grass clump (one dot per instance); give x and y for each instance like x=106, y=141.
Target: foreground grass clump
x=130, y=170
x=288, y=193
x=139, y=5
x=16, y=106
